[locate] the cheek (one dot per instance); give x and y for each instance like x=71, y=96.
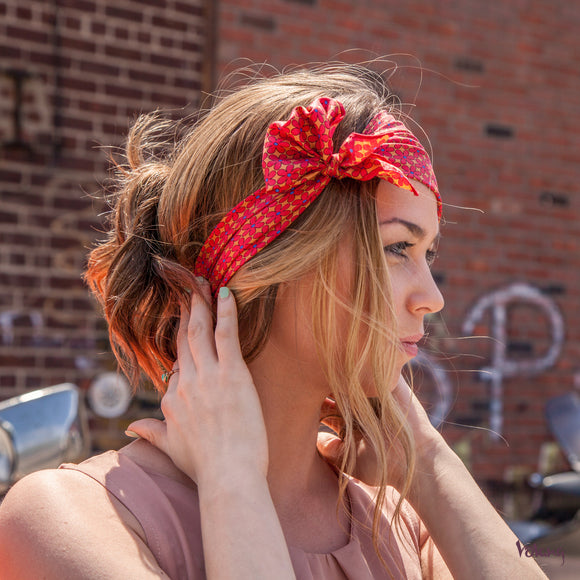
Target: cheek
x=398, y=289
x=291, y=334
x=399, y=280
x=368, y=384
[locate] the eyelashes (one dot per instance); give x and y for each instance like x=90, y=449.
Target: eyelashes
x=399, y=250
x=431, y=256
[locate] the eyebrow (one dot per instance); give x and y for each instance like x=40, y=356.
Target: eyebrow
x=415, y=229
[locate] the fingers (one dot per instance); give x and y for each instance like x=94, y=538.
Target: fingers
x=195, y=340
x=200, y=327
x=226, y=333
x=403, y=394
x=330, y=416
x=330, y=447
x=151, y=430
x=185, y=362
x=328, y=408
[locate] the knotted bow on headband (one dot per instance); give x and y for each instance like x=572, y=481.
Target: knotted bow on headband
x=298, y=163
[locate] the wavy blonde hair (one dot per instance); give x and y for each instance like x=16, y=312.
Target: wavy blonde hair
x=170, y=194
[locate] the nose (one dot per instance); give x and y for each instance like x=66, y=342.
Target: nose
x=425, y=297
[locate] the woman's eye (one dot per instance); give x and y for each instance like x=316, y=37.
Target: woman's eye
x=399, y=249
x=431, y=257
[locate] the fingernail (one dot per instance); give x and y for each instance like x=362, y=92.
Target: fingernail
x=200, y=279
x=224, y=292
x=132, y=434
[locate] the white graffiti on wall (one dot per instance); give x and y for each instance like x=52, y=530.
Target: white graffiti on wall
x=442, y=398
x=9, y=319
x=501, y=366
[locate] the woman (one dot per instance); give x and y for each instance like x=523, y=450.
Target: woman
x=318, y=239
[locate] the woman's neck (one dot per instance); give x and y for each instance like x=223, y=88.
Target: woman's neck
x=291, y=409
x=304, y=488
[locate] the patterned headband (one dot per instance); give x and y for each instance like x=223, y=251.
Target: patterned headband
x=298, y=163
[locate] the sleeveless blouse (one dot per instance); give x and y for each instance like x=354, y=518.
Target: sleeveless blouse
x=168, y=511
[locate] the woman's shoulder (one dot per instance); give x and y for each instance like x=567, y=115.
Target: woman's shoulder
x=49, y=493
x=153, y=461
x=131, y=464
x=52, y=519
x=161, y=499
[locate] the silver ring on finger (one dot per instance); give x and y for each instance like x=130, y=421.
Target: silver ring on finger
x=168, y=374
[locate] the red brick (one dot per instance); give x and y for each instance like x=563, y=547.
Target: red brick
x=189, y=8
x=75, y=43
x=76, y=163
x=123, y=13
x=119, y=53
x=79, y=84
x=64, y=243
x=87, y=6
x=18, y=239
x=8, y=51
x=27, y=34
x=98, y=27
x=123, y=91
x=169, y=23
x=17, y=259
x=156, y=3
x=98, y=108
x=7, y=360
x=121, y=33
x=8, y=217
x=147, y=76
x=8, y=176
x=167, y=61
x=23, y=13
x=5, y=380
x=100, y=68
x=60, y=283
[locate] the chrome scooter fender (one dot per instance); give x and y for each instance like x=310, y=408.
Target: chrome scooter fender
x=41, y=429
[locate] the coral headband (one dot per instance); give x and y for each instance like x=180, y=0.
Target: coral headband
x=298, y=163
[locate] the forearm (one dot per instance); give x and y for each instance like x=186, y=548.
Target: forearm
x=471, y=536
x=242, y=536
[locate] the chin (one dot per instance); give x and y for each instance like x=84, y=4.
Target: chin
x=371, y=391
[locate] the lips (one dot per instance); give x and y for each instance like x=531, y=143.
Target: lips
x=409, y=345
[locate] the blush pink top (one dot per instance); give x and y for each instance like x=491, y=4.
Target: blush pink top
x=168, y=511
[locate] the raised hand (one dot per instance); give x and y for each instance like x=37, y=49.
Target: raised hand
x=213, y=419
x=425, y=436
x=214, y=432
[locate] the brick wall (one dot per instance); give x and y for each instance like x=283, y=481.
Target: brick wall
x=498, y=97
x=84, y=69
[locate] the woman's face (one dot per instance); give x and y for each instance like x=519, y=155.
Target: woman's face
x=409, y=230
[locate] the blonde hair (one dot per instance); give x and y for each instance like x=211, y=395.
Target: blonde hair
x=173, y=191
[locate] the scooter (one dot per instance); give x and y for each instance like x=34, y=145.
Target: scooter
x=41, y=429
x=554, y=526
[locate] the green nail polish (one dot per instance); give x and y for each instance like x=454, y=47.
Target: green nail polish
x=200, y=279
x=224, y=292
